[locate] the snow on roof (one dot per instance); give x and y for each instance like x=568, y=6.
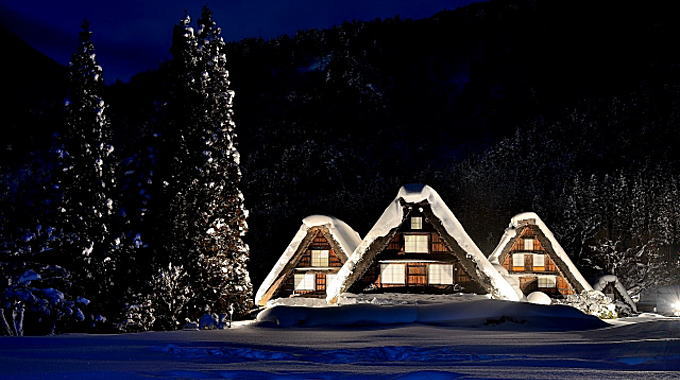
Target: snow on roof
x=532, y=218
x=343, y=234
x=610, y=278
x=392, y=218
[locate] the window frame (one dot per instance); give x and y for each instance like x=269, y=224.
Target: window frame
x=438, y=279
x=529, y=244
x=416, y=244
x=392, y=269
x=306, y=278
x=514, y=258
x=553, y=280
x=533, y=261
x=416, y=222
x=311, y=259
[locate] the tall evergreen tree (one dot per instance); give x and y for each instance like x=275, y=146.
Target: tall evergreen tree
x=86, y=178
x=207, y=208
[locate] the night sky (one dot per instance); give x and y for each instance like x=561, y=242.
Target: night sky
x=133, y=36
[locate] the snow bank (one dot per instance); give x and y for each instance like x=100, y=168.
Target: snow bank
x=511, y=233
x=392, y=218
x=343, y=234
x=480, y=313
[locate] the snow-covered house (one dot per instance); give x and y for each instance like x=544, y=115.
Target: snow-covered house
x=614, y=289
x=418, y=245
x=531, y=259
x=311, y=260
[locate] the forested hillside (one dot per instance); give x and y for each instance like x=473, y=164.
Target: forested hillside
x=566, y=108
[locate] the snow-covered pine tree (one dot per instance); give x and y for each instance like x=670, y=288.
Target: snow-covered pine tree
x=207, y=209
x=86, y=178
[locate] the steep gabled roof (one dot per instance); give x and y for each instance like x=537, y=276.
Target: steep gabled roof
x=341, y=237
x=417, y=195
x=618, y=286
x=517, y=224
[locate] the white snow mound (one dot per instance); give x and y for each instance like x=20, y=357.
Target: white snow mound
x=479, y=313
x=539, y=298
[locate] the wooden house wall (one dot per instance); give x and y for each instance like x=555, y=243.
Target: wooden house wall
x=529, y=274
x=417, y=272
x=287, y=288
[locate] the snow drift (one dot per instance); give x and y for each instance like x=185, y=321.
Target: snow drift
x=480, y=313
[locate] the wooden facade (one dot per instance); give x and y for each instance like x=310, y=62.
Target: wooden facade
x=530, y=257
x=417, y=259
x=303, y=265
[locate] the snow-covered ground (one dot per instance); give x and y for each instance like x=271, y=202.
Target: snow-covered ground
x=643, y=347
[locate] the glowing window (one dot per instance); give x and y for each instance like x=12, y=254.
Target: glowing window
x=518, y=260
x=393, y=273
x=440, y=274
x=305, y=281
x=416, y=243
x=547, y=282
x=319, y=257
x=417, y=223
x=528, y=244
x=539, y=261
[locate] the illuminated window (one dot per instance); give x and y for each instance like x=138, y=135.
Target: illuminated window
x=393, y=273
x=539, y=261
x=528, y=244
x=518, y=260
x=547, y=282
x=416, y=243
x=319, y=257
x=440, y=274
x=305, y=281
x=417, y=223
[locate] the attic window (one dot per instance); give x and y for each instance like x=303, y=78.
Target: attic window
x=305, y=281
x=393, y=273
x=416, y=244
x=528, y=244
x=547, y=282
x=417, y=223
x=319, y=257
x=440, y=274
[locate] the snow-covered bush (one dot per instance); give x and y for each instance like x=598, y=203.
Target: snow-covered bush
x=170, y=293
x=591, y=302
x=208, y=322
x=32, y=292
x=137, y=316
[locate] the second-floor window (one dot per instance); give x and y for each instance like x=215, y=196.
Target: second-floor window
x=518, y=260
x=539, y=262
x=528, y=244
x=416, y=244
x=319, y=257
x=417, y=223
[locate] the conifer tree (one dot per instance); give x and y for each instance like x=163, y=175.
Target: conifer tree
x=207, y=207
x=86, y=212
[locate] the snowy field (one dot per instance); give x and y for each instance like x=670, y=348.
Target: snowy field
x=518, y=347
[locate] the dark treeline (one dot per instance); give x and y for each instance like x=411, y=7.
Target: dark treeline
x=566, y=108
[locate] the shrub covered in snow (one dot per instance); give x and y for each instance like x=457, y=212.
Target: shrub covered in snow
x=138, y=315
x=591, y=302
x=32, y=293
